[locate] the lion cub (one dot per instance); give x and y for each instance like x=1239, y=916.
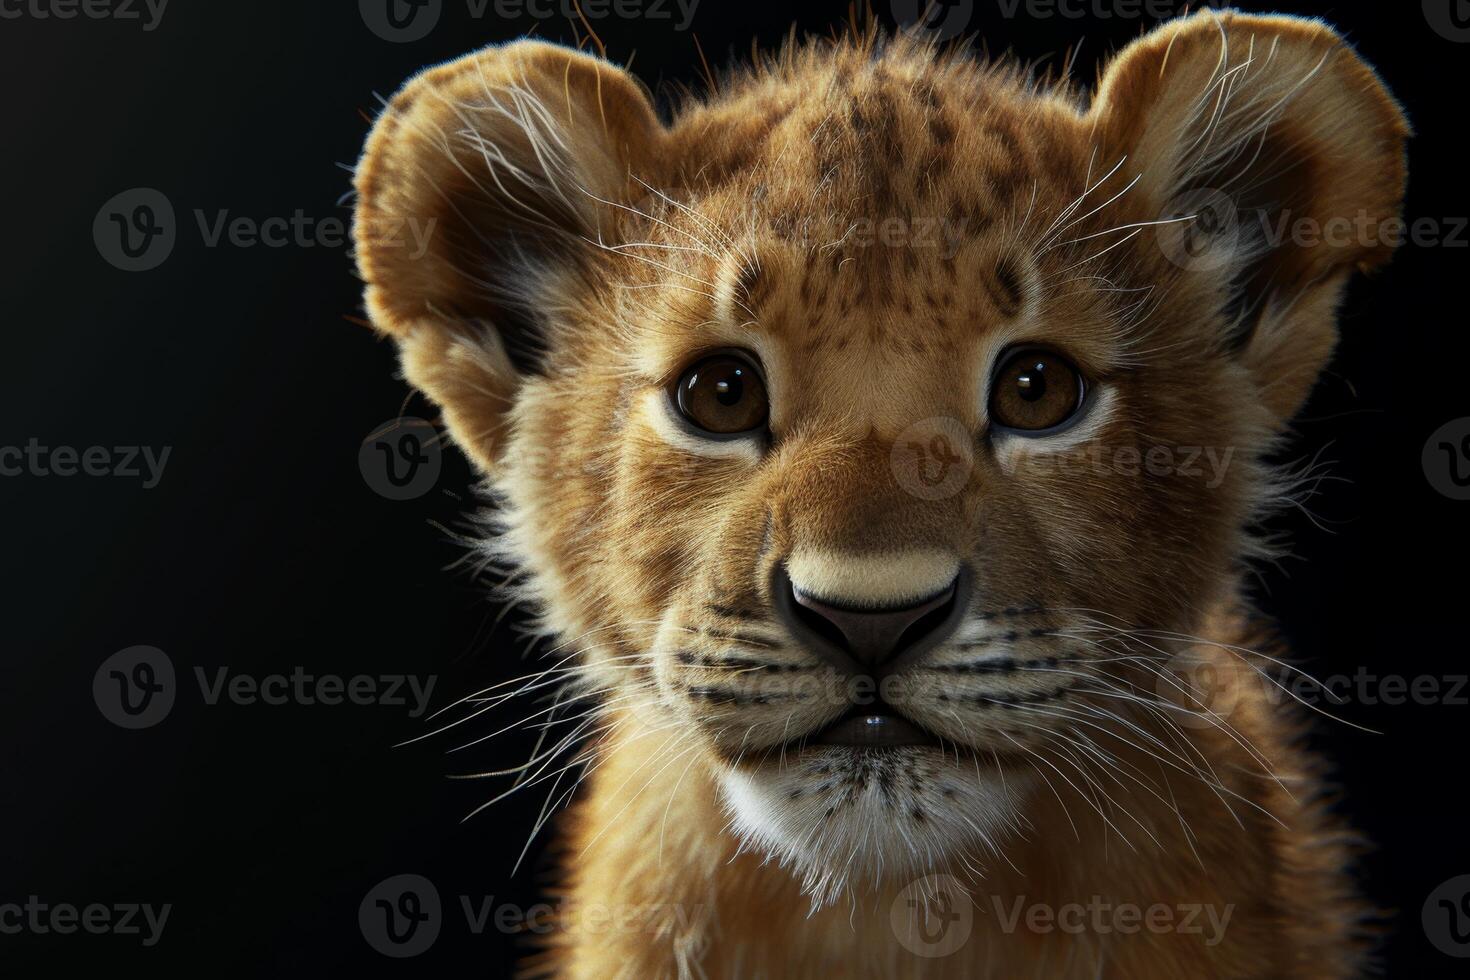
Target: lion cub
x=880, y=437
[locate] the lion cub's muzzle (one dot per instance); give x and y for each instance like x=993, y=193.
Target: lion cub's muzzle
x=868, y=640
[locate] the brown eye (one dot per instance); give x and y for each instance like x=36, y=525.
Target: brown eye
x=1035, y=391
x=723, y=395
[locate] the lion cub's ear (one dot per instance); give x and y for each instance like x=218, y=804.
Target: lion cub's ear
x=1276, y=158
x=482, y=187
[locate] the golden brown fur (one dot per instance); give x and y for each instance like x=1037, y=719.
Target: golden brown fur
x=878, y=219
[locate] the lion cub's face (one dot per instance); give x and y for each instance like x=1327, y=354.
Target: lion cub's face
x=875, y=429
x=882, y=507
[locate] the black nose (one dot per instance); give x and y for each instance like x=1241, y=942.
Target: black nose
x=870, y=636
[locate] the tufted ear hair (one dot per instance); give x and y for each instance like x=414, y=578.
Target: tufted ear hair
x=480, y=193
x=1274, y=158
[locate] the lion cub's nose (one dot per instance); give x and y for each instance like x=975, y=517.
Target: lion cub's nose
x=875, y=636
x=866, y=632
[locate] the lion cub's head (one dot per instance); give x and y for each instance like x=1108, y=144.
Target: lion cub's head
x=870, y=427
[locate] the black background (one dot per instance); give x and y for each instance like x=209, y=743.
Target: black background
x=264, y=549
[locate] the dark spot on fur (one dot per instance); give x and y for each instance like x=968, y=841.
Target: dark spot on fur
x=751, y=285
x=1006, y=287
x=734, y=612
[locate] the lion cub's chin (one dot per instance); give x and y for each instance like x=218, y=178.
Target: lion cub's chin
x=844, y=819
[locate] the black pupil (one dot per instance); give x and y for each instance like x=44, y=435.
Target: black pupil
x=1032, y=383
x=730, y=388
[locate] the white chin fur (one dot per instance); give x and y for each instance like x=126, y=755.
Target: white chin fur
x=841, y=819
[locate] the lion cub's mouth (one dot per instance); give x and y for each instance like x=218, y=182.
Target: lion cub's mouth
x=874, y=726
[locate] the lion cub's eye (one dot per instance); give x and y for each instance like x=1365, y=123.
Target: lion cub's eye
x=1035, y=391
x=722, y=394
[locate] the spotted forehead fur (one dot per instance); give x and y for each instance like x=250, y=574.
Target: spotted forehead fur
x=859, y=183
